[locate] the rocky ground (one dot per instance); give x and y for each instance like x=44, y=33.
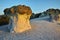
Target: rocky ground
x=41, y=30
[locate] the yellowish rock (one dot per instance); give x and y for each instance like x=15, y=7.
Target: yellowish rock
x=23, y=23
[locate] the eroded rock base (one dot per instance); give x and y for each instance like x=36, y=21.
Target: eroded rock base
x=22, y=24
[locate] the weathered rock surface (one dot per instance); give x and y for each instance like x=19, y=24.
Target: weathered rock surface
x=19, y=18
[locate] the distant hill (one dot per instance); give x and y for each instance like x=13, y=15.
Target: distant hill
x=5, y=20
x=52, y=11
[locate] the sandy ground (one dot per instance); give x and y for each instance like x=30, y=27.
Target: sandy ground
x=41, y=30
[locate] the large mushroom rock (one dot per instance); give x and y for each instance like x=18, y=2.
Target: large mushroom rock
x=19, y=18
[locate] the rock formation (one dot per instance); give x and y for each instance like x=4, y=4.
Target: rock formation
x=19, y=18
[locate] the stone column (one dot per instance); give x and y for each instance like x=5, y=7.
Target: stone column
x=22, y=24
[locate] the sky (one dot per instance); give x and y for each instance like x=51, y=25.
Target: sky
x=36, y=5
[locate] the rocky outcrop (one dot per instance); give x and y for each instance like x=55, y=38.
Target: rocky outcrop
x=19, y=18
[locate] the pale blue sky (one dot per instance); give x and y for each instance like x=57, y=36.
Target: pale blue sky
x=36, y=5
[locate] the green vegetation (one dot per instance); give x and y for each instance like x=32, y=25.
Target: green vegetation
x=4, y=20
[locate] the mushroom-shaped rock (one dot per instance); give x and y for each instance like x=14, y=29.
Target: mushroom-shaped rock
x=19, y=18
